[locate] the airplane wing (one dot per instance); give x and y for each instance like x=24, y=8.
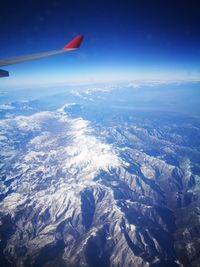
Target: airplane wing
x=72, y=45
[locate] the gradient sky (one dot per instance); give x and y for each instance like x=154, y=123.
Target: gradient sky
x=124, y=40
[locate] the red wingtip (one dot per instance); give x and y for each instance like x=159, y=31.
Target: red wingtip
x=75, y=43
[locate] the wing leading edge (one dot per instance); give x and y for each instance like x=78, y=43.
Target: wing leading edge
x=72, y=45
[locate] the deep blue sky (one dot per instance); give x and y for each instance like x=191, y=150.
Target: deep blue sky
x=129, y=39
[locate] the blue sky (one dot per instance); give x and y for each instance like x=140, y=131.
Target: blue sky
x=124, y=40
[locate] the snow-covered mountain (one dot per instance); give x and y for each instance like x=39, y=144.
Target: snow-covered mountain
x=118, y=190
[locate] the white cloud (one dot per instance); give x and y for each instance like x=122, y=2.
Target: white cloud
x=6, y=107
